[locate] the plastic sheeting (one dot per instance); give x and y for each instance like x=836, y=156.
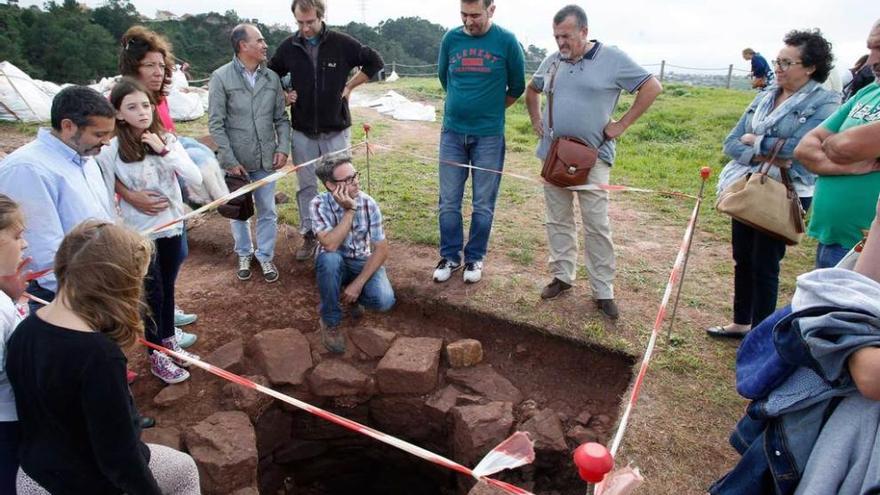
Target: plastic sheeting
x=22, y=99
x=397, y=106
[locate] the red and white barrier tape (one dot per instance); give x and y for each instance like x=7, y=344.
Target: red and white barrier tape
x=674, y=278
x=585, y=187
x=277, y=175
x=514, y=452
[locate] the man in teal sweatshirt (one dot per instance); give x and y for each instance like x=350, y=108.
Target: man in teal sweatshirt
x=482, y=69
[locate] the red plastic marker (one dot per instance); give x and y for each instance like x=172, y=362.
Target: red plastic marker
x=593, y=461
x=705, y=172
x=367, y=128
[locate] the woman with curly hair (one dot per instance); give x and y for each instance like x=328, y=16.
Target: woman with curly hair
x=146, y=56
x=769, y=131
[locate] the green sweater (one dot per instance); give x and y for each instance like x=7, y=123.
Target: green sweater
x=478, y=74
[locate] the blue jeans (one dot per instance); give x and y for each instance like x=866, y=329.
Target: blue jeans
x=334, y=272
x=267, y=222
x=479, y=151
x=159, y=288
x=829, y=255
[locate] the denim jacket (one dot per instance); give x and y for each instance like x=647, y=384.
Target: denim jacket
x=809, y=114
x=835, y=312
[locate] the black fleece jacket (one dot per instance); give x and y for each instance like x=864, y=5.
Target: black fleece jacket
x=319, y=106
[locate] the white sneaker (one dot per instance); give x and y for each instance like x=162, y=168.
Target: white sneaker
x=473, y=272
x=162, y=366
x=444, y=270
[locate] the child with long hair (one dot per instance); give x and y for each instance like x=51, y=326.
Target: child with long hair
x=144, y=157
x=12, y=285
x=79, y=426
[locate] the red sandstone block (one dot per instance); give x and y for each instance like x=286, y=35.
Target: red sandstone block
x=410, y=366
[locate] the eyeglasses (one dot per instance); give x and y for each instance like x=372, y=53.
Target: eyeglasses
x=351, y=179
x=785, y=64
x=154, y=65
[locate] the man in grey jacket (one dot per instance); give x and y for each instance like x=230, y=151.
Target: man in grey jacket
x=249, y=123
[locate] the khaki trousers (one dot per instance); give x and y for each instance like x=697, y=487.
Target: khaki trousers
x=562, y=233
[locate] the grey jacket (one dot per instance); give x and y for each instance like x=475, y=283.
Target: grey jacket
x=248, y=123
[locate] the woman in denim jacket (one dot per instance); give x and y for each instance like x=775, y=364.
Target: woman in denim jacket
x=786, y=111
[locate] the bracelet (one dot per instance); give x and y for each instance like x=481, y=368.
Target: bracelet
x=164, y=151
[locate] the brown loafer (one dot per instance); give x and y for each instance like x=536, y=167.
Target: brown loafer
x=554, y=288
x=608, y=307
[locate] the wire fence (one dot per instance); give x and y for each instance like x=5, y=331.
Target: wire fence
x=726, y=73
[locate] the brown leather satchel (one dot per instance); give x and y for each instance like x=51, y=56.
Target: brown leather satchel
x=569, y=159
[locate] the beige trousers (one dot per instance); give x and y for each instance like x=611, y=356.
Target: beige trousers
x=562, y=233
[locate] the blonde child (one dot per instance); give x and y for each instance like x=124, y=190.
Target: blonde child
x=79, y=426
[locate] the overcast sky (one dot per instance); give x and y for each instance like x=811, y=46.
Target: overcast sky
x=691, y=33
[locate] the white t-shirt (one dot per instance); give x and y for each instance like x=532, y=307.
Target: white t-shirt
x=10, y=317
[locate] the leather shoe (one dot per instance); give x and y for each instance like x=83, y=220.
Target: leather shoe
x=609, y=307
x=554, y=288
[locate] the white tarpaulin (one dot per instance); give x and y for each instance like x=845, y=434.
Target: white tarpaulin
x=21, y=98
x=186, y=103
x=397, y=106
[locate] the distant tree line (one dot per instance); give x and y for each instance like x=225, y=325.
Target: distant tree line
x=66, y=42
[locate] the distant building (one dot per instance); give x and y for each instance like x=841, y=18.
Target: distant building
x=164, y=15
x=214, y=19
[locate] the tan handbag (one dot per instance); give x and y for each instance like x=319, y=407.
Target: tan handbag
x=766, y=204
x=569, y=159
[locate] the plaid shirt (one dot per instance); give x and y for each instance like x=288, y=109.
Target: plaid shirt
x=366, y=227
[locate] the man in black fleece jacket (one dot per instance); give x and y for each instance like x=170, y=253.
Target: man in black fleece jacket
x=317, y=61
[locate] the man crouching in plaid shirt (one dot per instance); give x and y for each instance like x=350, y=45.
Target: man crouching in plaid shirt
x=351, y=252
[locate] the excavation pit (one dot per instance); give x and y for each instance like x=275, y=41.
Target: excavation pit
x=395, y=377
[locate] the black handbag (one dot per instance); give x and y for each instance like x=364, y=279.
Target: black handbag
x=242, y=207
